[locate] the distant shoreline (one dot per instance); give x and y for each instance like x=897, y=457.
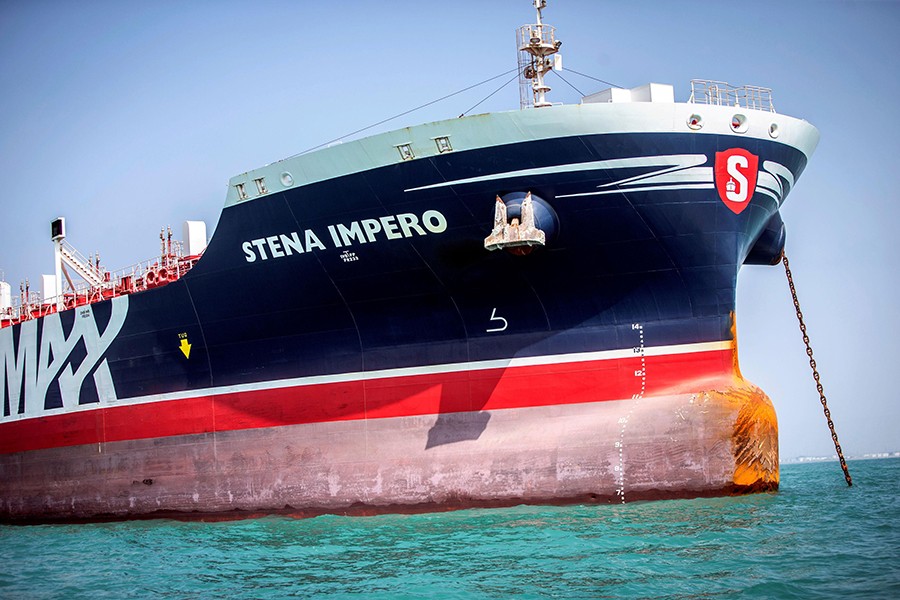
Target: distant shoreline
x=834, y=458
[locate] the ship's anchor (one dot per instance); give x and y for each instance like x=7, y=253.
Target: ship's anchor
x=517, y=235
x=812, y=365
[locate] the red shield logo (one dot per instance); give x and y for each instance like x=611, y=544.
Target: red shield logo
x=735, y=176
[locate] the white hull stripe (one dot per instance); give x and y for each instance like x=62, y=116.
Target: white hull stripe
x=529, y=361
x=483, y=365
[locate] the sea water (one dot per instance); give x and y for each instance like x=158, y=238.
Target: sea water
x=815, y=538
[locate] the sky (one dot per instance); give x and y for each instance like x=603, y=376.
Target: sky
x=128, y=116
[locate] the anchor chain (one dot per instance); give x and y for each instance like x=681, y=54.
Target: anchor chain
x=812, y=365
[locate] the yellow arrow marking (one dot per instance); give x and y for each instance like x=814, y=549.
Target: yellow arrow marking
x=185, y=347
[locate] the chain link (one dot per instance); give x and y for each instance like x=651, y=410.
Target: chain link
x=812, y=365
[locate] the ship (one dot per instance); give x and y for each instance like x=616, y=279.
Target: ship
x=531, y=306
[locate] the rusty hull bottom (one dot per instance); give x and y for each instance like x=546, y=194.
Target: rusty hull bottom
x=709, y=443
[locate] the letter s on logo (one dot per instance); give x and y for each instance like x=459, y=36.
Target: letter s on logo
x=735, y=174
x=248, y=250
x=740, y=193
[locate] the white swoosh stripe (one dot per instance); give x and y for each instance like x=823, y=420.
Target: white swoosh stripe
x=675, y=161
x=689, y=175
x=692, y=186
x=685, y=163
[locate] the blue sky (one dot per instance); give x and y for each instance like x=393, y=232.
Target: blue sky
x=125, y=117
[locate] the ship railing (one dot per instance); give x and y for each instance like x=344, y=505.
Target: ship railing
x=720, y=93
x=27, y=306
x=144, y=275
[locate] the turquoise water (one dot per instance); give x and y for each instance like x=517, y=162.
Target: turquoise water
x=814, y=539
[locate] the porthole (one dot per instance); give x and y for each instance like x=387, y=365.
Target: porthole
x=739, y=123
x=287, y=180
x=773, y=130
x=695, y=121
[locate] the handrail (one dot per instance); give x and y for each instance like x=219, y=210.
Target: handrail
x=720, y=93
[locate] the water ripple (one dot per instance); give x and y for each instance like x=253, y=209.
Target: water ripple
x=814, y=539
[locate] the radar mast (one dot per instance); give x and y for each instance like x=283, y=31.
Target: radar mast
x=537, y=45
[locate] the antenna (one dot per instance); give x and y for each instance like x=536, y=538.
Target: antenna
x=536, y=44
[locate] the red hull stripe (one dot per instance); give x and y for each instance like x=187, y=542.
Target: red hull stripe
x=412, y=395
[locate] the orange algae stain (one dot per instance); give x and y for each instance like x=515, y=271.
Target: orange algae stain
x=754, y=440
